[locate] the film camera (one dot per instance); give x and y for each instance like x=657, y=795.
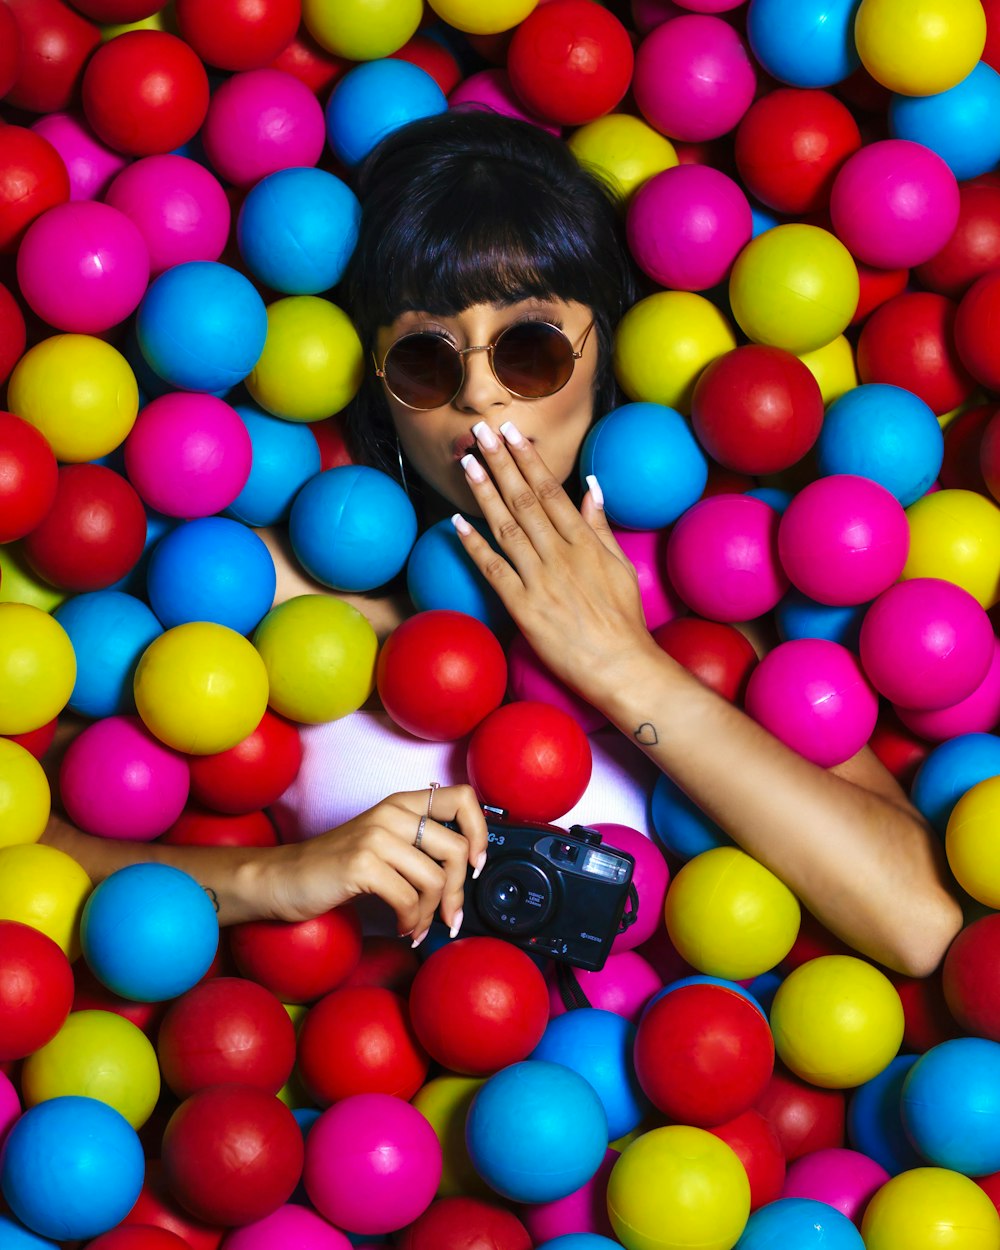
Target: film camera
x=555, y=892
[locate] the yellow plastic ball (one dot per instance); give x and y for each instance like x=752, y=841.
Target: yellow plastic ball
x=955, y=535
x=319, y=653
x=444, y=1103
x=25, y=799
x=293, y=1093
x=794, y=287
x=79, y=392
x=971, y=842
x=96, y=1054
x=166, y=20
x=834, y=368
x=200, y=688
x=837, y=1021
x=664, y=342
x=678, y=1188
x=476, y=18
x=37, y=668
x=45, y=888
x=920, y=47
x=729, y=916
x=18, y=584
x=362, y=30
x=312, y=363
x=623, y=150
x=930, y=1209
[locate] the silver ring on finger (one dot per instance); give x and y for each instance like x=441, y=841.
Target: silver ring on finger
x=421, y=825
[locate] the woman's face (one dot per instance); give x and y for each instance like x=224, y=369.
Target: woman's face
x=435, y=441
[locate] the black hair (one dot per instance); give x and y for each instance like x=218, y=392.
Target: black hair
x=471, y=207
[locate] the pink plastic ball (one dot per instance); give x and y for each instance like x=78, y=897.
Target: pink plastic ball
x=979, y=712
x=710, y=6
x=530, y=680
x=188, y=455
x=650, y=878
x=624, y=985
x=843, y=539
x=812, y=695
x=291, y=1226
x=583, y=1211
x=647, y=550
x=722, y=558
x=694, y=78
x=373, y=1163
x=894, y=204
x=926, y=643
x=489, y=90
x=10, y=1105
x=90, y=164
x=118, y=781
x=83, y=267
x=687, y=225
x=842, y=1178
x=648, y=14
x=179, y=207
x=260, y=121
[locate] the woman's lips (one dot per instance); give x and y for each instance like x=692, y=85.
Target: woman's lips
x=462, y=445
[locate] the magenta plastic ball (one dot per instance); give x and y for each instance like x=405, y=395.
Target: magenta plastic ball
x=583, y=1211
x=179, y=206
x=979, y=712
x=531, y=681
x=188, y=455
x=841, y=1178
x=624, y=985
x=118, y=781
x=843, y=539
x=373, y=1163
x=813, y=696
x=687, y=225
x=90, y=164
x=926, y=643
x=260, y=121
x=83, y=267
x=894, y=204
x=648, y=14
x=722, y=558
x=694, y=78
x=289, y=1226
x=647, y=551
x=490, y=91
x=10, y=1105
x=650, y=878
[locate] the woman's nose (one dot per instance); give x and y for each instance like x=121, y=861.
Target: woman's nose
x=480, y=390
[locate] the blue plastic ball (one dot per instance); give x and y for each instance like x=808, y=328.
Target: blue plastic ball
x=598, y=1045
x=17, y=1237
x=285, y=456
x=536, y=1131
x=109, y=631
x=648, y=463
x=875, y=1119
x=134, y=581
x=352, y=527
x=580, y=1241
x=680, y=824
x=149, y=932
x=951, y=1105
x=949, y=771
x=797, y=616
x=201, y=326
x=703, y=978
x=211, y=569
x=958, y=124
x=440, y=575
x=374, y=99
x=297, y=229
x=886, y=433
x=764, y=988
x=762, y=220
x=805, y=43
x=72, y=1168
x=802, y=1223
x=772, y=496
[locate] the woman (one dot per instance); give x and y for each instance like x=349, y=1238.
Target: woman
x=487, y=281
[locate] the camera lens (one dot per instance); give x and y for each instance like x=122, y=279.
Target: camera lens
x=505, y=893
x=514, y=896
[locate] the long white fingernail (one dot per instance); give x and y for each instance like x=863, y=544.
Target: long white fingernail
x=595, y=490
x=485, y=436
x=459, y=917
x=480, y=864
x=418, y=939
x=512, y=434
x=461, y=524
x=474, y=470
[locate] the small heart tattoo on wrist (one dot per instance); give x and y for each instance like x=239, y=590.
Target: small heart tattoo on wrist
x=646, y=735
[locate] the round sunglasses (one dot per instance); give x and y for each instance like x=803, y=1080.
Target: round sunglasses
x=531, y=359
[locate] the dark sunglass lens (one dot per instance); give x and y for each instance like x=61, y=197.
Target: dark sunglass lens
x=423, y=370
x=532, y=359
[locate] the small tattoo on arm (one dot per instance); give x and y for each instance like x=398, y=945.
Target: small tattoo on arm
x=646, y=735
x=213, y=896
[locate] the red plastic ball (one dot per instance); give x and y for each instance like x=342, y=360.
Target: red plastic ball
x=717, y=654
x=703, y=1054
x=36, y=741
x=305, y=60
x=232, y=1154
x=570, y=61
x=962, y=438
x=812, y=940
x=118, y=12
x=254, y=773
x=155, y=1205
x=299, y=961
x=90, y=995
x=805, y=1117
x=970, y=976
x=531, y=759
x=93, y=534
x=440, y=673
x=360, y=1041
x=790, y=145
x=758, y=1148
x=13, y=335
x=927, y=1020
x=991, y=53
x=897, y=749
x=138, y=1237
x=55, y=44
x=757, y=409
x=194, y=827
x=434, y=59
x=28, y=477
x=36, y=989
x=10, y=49
x=974, y=247
x=145, y=93
x=238, y=34
x=33, y=178
x=226, y=1031
x=386, y=961
x=329, y=436
x=909, y=342
x=875, y=286
x=989, y=456
x=977, y=325
x=478, y=1005
x=464, y=1223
